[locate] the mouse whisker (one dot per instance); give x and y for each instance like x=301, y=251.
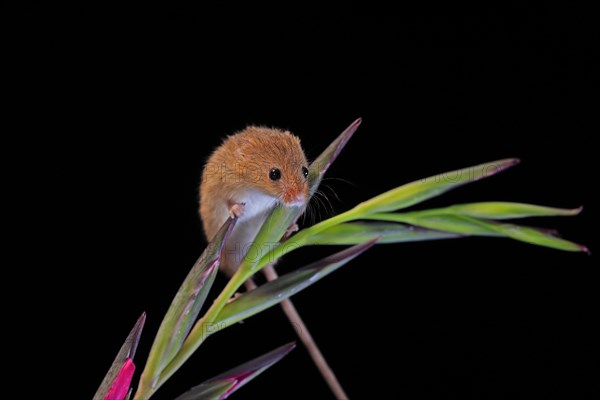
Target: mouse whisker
x=310, y=213
x=322, y=205
x=327, y=204
x=339, y=179
x=332, y=191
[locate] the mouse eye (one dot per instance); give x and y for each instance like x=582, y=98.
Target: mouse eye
x=275, y=174
x=305, y=172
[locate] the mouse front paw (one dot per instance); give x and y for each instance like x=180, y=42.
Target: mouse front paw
x=290, y=230
x=236, y=210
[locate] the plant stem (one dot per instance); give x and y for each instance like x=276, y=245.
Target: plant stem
x=305, y=336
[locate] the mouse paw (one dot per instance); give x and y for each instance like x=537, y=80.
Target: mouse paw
x=291, y=229
x=234, y=297
x=236, y=210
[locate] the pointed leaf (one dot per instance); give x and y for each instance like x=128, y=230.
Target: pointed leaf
x=424, y=189
x=273, y=292
x=360, y=232
x=465, y=225
x=221, y=386
x=457, y=224
x=506, y=210
x=530, y=235
x=321, y=164
x=126, y=352
x=213, y=390
x=186, y=306
x=283, y=217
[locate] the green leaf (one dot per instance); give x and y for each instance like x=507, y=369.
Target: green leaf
x=530, y=235
x=321, y=164
x=465, y=225
x=273, y=292
x=506, y=210
x=283, y=217
x=127, y=351
x=222, y=386
x=360, y=232
x=424, y=189
x=186, y=306
x=270, y=234
x=209, y=390
x=457, y=224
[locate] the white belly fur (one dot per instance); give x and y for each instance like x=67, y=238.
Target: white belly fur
x=257, y=208
x=256, y=203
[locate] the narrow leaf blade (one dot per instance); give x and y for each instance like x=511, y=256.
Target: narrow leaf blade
x=359, y=232
x=424, y=189
x=273, y=292
x=223, y=385
x=465, y=225
x=271, y=233
x=507, y=210
x=456, y=224
x=186, y=306
x=531, y=235
x=126, y=352
x=209, y=390
x=283, y=217
x=321, y=164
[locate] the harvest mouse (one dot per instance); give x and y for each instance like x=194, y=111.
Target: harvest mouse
x=251, y=172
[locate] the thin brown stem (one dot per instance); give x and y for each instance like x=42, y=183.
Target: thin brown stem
x=304, y=334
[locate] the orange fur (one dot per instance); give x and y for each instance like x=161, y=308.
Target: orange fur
x=238, y=172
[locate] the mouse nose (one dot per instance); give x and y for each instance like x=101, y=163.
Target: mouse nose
x=294, y=198
x=300, y=198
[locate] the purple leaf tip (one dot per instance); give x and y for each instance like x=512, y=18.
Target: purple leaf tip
x=586, y=250
x=502, y=166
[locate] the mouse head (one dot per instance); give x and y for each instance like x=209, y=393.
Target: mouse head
x=273, y=161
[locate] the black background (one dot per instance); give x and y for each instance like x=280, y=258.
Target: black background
x=137, y=110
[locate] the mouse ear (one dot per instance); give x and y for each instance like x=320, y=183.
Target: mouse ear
x=319, y=167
